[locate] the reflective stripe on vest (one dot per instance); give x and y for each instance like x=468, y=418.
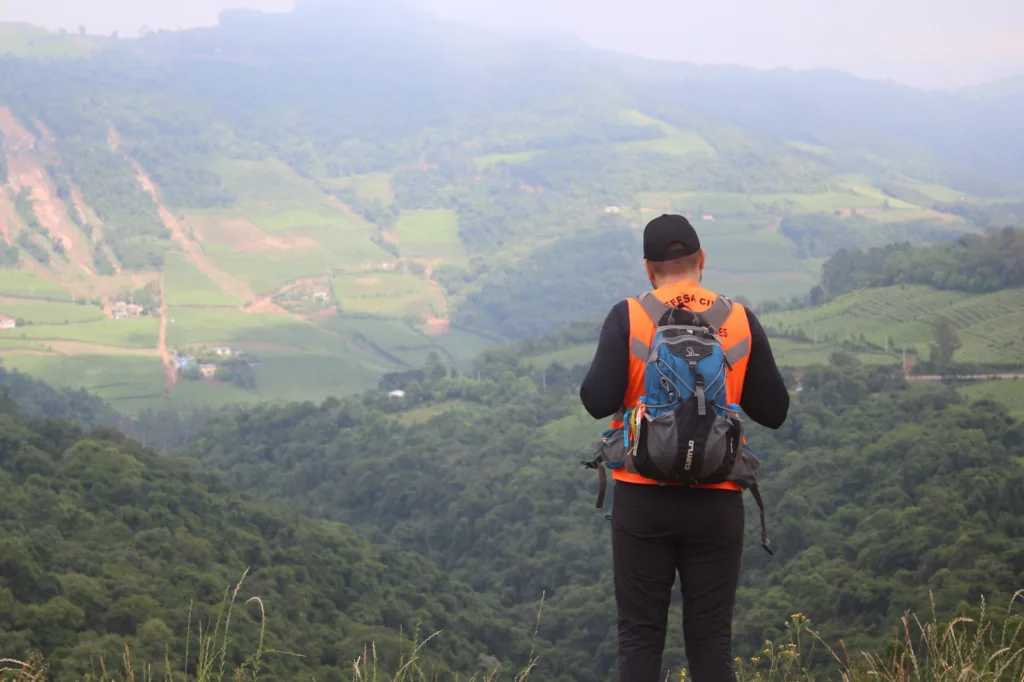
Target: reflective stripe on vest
x=733, y=332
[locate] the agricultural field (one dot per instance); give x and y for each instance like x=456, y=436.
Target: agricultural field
x=990, y=326
x=186, y=285
x=485, y=162
x=49, y=312
x=397, y=340
x=827, y=202
x=193, y=395
x=919, y=214
x=431, y=236
x=386, y=294
x=795, y=354
x=265, y=274
x=680, y=144
x=394, y=339
x=306, y=376
x=24, y=283
x=761, y=251
x=578, y=430
x=268, y=183
x=133, y=333
x=463, y=346
x=717, y=204
x=127, y=382
x=192, y=326
x=640, y=119
x=1009, y=392
x=369, y=187
x=15, y=344
x=266, y=262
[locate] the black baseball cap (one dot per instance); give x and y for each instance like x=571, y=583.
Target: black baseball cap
x=666, y=230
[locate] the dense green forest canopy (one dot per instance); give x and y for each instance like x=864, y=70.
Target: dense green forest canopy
x=862, y=451
x=104, y=543
x=971, y=263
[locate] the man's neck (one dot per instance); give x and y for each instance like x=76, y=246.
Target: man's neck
x=691, y=279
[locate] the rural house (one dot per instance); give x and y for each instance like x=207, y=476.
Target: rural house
x=222, y=351
x=208, y=371
x=123, y=310
x=7, y=322
x=396, y=395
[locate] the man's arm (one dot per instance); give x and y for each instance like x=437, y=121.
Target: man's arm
x=765, y=397
x=604, y=387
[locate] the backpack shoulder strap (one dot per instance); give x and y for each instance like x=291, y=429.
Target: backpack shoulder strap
x=653, y=307
x=719, y=311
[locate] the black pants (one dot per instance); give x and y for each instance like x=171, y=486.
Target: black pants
x=658, y=531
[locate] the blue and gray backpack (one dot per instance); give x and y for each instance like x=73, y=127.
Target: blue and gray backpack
x=683, y=430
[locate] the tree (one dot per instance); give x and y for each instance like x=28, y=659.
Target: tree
x=947, y=342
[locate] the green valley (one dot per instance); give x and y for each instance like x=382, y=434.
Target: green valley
x=236, y=213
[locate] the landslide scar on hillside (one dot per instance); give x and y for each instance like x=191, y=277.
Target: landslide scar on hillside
x=25, y=171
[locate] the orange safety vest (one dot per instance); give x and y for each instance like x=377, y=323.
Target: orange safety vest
x=733, y=332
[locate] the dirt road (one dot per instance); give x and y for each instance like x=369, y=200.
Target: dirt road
x=170, y=371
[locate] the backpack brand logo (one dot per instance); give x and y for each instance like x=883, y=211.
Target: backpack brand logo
x=689, y=456
x=691, y=353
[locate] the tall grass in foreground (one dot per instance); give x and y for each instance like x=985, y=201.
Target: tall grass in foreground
x=962, y=650
x=985, y=649
x=211, y=658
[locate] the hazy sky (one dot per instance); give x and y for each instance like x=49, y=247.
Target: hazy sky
x=930, y=43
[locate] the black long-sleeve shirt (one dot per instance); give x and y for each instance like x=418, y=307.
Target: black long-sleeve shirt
x=765, y=397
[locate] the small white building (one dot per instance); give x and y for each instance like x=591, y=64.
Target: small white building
x=7, y=322
x=396, y=395
x=222, y=351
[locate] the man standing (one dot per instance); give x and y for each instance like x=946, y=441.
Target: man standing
x=658, y=529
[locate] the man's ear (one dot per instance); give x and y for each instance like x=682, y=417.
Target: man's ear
x=702, y=254
x=650, y=272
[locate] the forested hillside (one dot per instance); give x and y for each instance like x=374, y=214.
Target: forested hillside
x=513, y=517
x=337, y=192
x=976, y=264
x=104, y=544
